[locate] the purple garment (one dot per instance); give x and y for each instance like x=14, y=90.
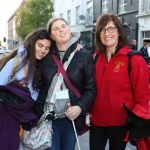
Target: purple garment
x=11, y=117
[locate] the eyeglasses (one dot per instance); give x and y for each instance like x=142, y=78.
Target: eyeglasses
x=109, y=29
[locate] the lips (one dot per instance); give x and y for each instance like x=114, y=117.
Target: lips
x=63, y=34
x=40, y=55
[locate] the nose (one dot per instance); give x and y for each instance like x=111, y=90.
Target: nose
x=60, y=29
x=43, y=49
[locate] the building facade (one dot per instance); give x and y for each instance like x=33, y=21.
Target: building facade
x=79, y=15
x=127, y=10
x=144, y=22
x=82, y=15
x=13, y=40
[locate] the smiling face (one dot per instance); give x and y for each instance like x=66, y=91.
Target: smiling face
x=60, y=32
x=109, y=35
x=42, y=48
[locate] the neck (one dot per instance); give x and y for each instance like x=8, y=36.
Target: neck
x=110, y=52
x=62, y=46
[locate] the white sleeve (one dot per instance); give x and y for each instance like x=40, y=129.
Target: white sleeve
x=5, y=73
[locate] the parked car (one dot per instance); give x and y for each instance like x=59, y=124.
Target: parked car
x=2, y=51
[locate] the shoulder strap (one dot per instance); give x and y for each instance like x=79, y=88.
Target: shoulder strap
x=16, y=66
x=5, y=58
x=65, y=76
x=130, y=54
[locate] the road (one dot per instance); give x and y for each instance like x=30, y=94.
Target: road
x=84, y=143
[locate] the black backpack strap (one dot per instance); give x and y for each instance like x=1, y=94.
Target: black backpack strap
x=130, y=54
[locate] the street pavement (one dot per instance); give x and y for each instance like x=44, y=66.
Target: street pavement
x=84, y=143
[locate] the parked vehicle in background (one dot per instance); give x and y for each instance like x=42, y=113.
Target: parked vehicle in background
x=4, y=50
x=1, y=51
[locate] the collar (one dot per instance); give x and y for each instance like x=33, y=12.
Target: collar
x=124, y=50
x=55, y=51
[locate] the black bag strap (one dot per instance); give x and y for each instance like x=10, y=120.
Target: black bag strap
x=130, y=54
x=65, y=76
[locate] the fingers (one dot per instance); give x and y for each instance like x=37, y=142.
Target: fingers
x=73, y=112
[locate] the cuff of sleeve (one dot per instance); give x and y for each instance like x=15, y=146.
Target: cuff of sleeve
x=83, y=109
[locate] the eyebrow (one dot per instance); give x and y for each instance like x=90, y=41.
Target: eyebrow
x=60, y=25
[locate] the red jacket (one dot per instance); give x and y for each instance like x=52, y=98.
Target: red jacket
x=114, y=89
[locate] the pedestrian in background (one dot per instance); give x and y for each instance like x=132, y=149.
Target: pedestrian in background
x=19, y=83
x=80, y=72
x=114, y=89
x=145, y=51
x=133, y=44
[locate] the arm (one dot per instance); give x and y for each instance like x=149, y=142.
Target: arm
x=5, y=73
x=84, y=104
x=140, y=83
x=89, y=92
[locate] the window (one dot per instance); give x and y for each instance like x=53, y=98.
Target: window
x=89, y=18
x=122, y=6
x=145, y=6
x=104, y=6
x=69, y=17
x=77, y=14
x=146, y=34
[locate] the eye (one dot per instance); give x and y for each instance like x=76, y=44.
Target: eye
x=111, y=29
x=64, y=26
x=55, y=29
x=40, y=45
x=102, y=31
x=47, y=48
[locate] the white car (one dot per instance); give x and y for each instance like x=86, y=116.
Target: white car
x=2, y=51
x=8, y=50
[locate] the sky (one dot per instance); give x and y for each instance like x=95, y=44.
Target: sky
x=7, y=8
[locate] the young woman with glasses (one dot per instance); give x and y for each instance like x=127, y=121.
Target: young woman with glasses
x=113, y=85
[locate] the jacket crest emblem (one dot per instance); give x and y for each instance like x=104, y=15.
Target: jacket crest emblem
x=118, y=65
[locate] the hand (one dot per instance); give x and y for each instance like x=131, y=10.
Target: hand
x=73, y=112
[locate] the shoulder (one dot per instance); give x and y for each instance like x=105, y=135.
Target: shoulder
x=138, y=60
x=21, y=52
x=84, y=51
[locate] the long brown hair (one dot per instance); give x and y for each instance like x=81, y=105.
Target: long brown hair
x=101, y=23
x=34, y=65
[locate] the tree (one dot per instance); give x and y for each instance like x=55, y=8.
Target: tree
x=33, y=14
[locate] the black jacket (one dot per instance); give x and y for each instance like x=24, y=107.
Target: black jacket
x=144, y=53
x=81, y=72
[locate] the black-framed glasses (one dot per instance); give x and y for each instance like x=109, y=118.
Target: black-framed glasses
x=109, y=29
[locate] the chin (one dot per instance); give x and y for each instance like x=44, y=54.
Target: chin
x=39, y=58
